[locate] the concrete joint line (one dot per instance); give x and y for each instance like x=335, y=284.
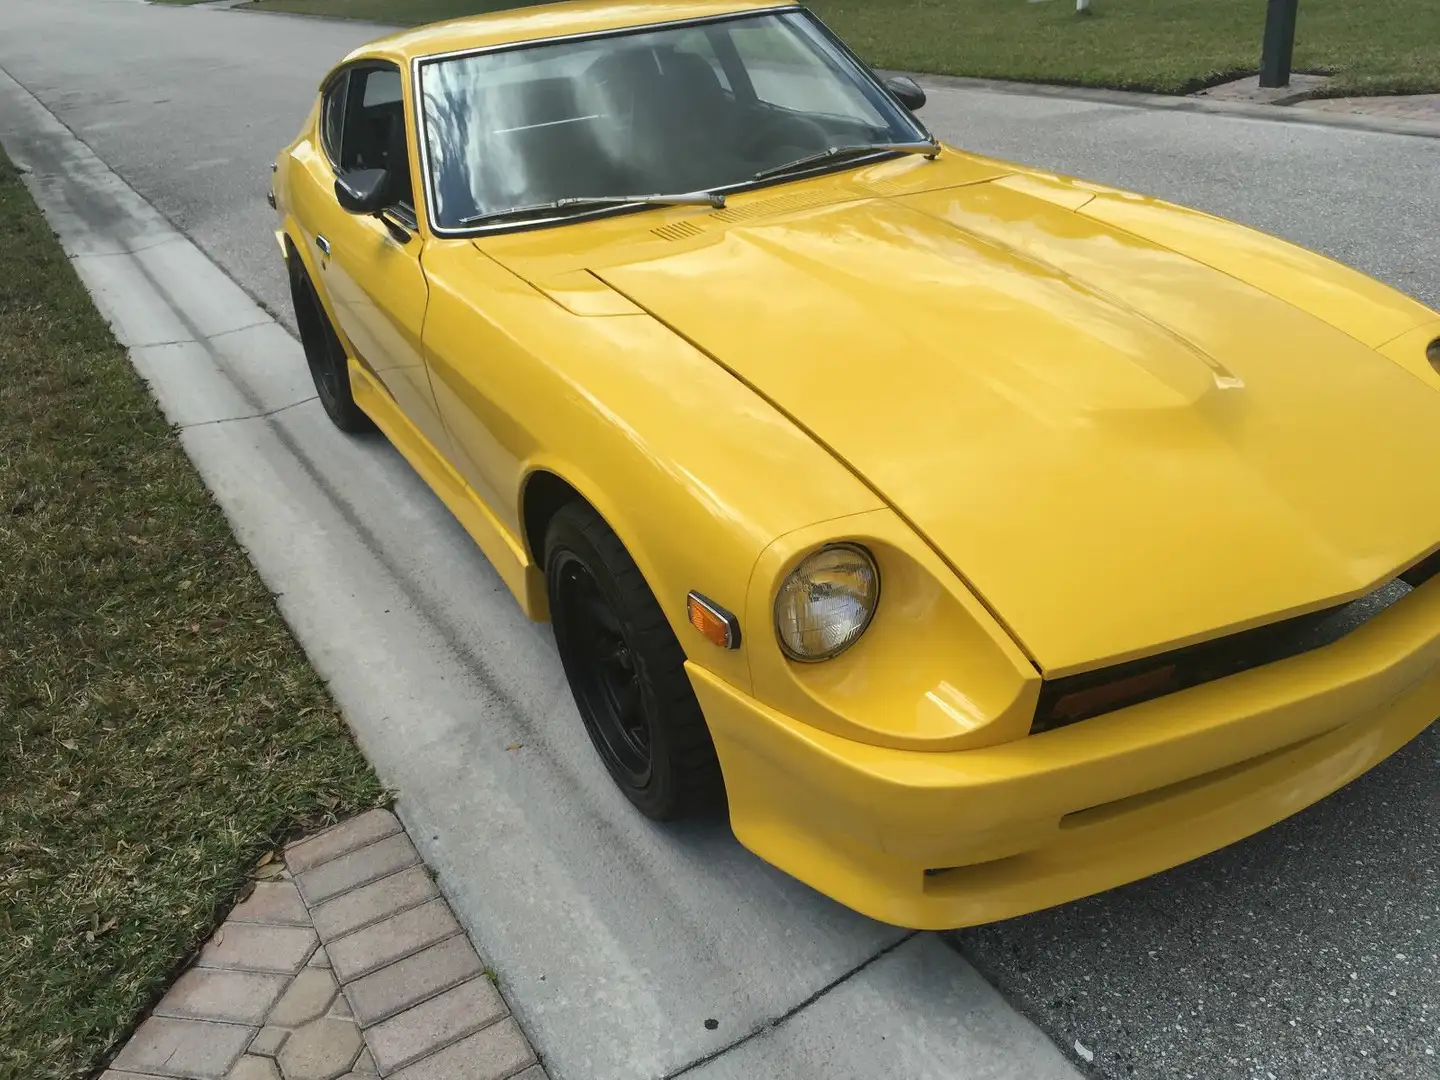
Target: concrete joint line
x=785, y=1017
x=239, y=419
x=184, y=317
x=132, y=250
x=265, y=321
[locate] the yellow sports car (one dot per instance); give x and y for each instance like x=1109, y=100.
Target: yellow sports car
x=983, y=538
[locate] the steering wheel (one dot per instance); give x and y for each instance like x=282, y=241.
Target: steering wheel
x=782, y=131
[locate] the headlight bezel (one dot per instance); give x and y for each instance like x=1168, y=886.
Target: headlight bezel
x=854, y=637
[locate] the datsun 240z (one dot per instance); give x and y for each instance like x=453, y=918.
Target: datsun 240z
x=981, y=537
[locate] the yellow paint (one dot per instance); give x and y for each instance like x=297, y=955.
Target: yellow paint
x=1073, y=425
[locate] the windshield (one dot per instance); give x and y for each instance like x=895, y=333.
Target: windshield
x=694, y=107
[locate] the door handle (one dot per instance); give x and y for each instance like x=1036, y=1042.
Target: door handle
x=323, y=245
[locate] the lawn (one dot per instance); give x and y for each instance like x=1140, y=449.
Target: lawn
x=1169, y=46
x=159, y=727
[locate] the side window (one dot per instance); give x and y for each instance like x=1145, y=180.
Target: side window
x=374, y=135
x=332, y=117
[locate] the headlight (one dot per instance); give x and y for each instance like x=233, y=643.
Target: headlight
x=826, y=602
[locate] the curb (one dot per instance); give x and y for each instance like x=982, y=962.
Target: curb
x=1135, y=100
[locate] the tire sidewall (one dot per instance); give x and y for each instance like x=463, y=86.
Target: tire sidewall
x=568, y=540
x=323, y=352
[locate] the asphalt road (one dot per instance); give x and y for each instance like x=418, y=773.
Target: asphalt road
x=1309, y=951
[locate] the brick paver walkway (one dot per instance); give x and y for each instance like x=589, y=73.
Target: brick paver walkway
x=348, y=963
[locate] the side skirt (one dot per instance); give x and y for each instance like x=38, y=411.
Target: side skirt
x=505, y=552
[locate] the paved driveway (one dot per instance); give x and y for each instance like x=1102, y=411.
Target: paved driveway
x=1308, y=951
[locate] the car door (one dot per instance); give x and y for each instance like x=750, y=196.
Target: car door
x=370, y=264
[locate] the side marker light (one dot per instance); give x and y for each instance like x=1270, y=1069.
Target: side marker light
x=717, y=625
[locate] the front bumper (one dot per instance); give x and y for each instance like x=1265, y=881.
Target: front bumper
x=1010, y=829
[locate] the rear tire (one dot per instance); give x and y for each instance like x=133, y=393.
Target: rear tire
x=329, y=367
x=627, y=671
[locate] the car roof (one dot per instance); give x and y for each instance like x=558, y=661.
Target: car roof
x=546, y=21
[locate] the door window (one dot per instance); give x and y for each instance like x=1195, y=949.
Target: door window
x=373, y=133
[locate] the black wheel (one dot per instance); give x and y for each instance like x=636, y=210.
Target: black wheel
x=324, y=354
x=627, y=671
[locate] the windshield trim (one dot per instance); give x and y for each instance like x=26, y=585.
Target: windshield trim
x=422, y=143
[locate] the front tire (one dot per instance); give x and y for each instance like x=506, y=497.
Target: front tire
x=627, y=671
x=329, y=367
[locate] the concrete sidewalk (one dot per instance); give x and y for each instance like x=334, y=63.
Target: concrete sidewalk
x=344, y=960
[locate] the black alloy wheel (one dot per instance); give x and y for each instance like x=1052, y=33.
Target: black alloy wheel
x=324, y=354
x=606, y=682
x=627, y=671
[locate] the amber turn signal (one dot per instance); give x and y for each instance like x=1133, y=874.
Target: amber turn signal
x=713, y=621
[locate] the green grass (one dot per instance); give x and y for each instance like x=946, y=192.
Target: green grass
x=159, y=727
x=1169, y=46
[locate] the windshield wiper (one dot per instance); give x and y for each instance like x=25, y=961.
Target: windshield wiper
x=581, y=203
x=920, y=146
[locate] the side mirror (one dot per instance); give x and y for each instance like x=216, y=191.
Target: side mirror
x=908, y=91
x=364, y=191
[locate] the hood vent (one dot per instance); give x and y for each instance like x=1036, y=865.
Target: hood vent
x=679, y=230
x=800, y=200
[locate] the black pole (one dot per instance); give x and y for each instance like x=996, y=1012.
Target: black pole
x=1279, y=47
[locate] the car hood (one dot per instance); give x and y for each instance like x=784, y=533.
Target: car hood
x=1120, y=449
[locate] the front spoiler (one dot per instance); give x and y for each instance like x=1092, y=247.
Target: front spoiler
x=1010, y=829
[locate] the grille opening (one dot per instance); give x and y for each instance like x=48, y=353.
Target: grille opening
x=1092, y=693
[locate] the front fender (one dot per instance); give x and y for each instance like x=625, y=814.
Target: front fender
x=695, y=472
